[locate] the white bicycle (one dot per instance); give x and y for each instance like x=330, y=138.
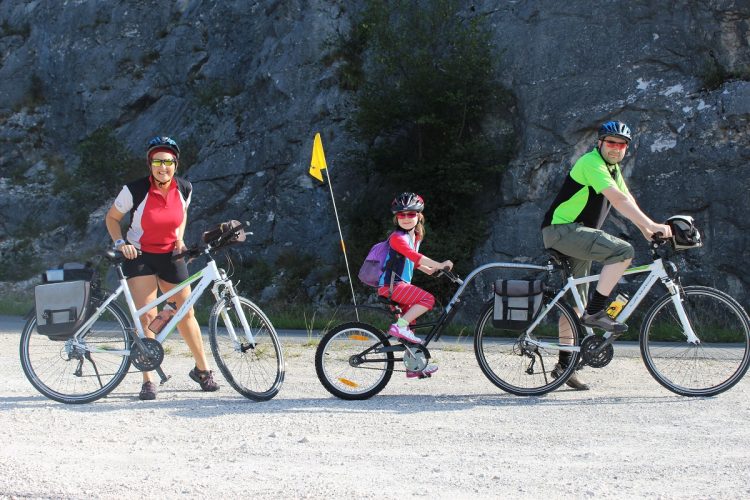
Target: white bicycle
x=694, y=340
x=89, y=363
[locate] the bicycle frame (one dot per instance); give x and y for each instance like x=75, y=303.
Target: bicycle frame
x=451, y=308
x=657, y=273
x=209, y=275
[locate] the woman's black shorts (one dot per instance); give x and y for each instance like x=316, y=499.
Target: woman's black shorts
x=159, y=264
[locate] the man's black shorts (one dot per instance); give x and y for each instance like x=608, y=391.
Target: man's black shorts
x=159, y=264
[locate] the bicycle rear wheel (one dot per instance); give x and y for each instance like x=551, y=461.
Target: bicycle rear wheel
x=254, y=369
x=714, y=365
x=512, y=361
x=348, y=363
x=70, y=372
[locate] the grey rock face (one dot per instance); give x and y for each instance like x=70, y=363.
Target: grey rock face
x=244, y=84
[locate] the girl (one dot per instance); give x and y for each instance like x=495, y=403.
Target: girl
x=395, y=282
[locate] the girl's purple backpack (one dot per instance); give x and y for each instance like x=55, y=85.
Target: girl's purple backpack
x=372, y=268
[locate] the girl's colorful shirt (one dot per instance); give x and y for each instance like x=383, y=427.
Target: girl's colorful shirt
x=402, y=257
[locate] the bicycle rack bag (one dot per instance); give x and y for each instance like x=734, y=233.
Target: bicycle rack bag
x=62, y=301
x=516, y=303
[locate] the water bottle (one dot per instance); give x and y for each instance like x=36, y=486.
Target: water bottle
x=615, y=308
x=163, y=317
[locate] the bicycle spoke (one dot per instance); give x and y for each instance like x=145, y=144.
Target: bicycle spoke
x=712, y=366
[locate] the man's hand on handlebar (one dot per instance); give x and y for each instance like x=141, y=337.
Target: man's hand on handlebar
x=656, y=231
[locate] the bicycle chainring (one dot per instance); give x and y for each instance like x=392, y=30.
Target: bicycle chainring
x=151, y=359
x=589, y=355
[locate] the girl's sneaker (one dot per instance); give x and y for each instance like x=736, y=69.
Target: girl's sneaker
x=427, y=372
x=403, y=333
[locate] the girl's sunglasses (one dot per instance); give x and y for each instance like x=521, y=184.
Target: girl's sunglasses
x=406, y=215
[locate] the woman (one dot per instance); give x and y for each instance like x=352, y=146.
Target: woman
x=158, y=212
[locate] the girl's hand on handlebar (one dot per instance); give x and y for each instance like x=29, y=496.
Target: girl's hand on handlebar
x=445, y=265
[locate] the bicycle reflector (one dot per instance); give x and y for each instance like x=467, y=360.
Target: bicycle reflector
x=684, y=233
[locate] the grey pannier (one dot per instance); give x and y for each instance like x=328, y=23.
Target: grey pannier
x=62, y=301
x=516, y=303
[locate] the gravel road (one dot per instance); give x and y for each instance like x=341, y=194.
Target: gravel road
x=453, y=436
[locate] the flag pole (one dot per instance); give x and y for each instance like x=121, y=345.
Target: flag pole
x=317, y=164
x=343, y=246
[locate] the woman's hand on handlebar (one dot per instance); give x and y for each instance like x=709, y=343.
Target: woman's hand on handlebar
x=128, y=251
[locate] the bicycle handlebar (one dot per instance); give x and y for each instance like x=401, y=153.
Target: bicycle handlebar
x=216, y=243
x=449, y=274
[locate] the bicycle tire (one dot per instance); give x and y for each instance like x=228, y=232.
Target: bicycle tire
x=254, y=370
x=334, y=366
x=73, y=375
x=706, y=369
x=520, y=368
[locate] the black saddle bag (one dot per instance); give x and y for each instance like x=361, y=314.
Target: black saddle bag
x=517, y=302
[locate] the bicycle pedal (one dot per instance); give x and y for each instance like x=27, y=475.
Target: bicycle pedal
x=165, y=379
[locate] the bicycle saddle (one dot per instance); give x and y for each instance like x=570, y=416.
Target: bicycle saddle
x=559, y=259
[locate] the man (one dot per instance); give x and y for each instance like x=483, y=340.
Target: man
x=572, y=226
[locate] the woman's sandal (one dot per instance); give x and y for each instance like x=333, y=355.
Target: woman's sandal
x=205, y=378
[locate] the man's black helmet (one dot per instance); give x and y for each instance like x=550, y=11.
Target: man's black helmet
x=162, y=142
x=616, y=129
x=406, y=202
x=684, y=233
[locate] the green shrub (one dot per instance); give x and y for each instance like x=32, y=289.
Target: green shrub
x=428, y=88
x=105, y=165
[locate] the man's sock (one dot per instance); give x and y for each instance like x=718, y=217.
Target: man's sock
x=597, y=303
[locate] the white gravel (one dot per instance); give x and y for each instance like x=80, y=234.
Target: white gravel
x=453, y=436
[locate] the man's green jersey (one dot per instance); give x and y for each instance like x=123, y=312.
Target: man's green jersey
x=581, y=199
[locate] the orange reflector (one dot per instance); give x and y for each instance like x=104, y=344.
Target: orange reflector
x=358, y=337
x=348, y=382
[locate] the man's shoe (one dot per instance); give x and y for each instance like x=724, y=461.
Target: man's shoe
x=427, y=372
x=403, y=333
x=603, y=321
x=573, y=381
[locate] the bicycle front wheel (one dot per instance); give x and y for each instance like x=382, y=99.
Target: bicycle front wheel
x=78, y=372
x=253, y=367
x=709, y=367
x=351, y=362
x=515, y=362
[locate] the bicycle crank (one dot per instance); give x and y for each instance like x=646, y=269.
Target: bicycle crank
x=148, y=356
x=414, y=359
x=595, y=353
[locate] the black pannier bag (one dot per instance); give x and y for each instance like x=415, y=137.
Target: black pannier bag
x=516, y=303
x=63, y=300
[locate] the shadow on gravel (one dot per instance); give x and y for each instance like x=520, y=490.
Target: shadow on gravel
x=207, y=406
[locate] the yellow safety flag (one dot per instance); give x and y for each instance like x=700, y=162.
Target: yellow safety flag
x=318, y=162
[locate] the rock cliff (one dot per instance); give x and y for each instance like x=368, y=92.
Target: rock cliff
x=244, y=85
